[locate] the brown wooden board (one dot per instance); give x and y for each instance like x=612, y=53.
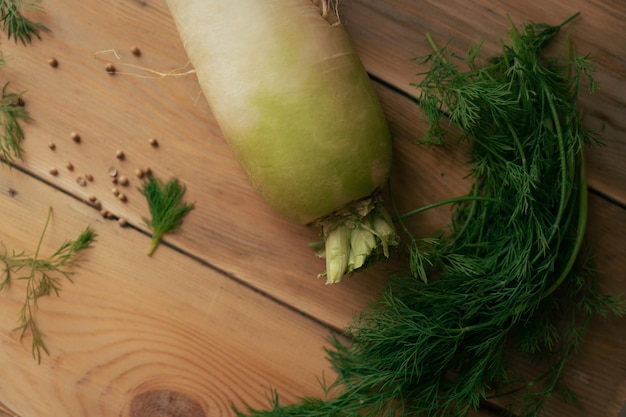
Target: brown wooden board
x=230, y=305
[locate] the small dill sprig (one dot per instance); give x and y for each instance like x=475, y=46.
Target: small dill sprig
x=43, y=277
x=166, y=207
x=16, y=25
x=12, y=111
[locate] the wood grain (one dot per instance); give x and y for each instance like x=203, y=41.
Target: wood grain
x=231, y=305
x=132, y=329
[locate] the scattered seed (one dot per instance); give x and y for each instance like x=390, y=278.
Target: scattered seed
x=81, y=181
x=97, y=204
x=115, y=191
x=122, y=180
x=53, y=62
x=110, y=215
x=89, y=177
x=153, y=142
x=147, y=171
x=122, y=222
x=92, y=199
x=119, y=155
x=104, y=213
x=52, y=146
x=110, y=68
x=75, y=137
x=54, y=172
x=122, y=197
x=139, y=173
x=113, y=172
x=69, y=166
x=135, y=50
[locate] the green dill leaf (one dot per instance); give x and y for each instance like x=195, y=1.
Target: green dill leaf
x=167, y=209
x=12, y=111
x=18, y=26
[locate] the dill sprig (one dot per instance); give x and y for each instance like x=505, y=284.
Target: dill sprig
x=511, y=276
x=166, y=207
x=18, y=26
x=12, y=110
x=43, y=277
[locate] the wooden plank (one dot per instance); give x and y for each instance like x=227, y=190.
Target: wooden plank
x=134, y=331
x=390, y=34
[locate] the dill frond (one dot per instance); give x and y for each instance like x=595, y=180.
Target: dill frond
x=16, y=25
x=166, y=207
x=43, y=277
x=12, y=111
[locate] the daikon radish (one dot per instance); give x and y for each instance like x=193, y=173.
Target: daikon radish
x=300, y=113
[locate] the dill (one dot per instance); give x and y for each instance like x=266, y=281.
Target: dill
x=166, y=207
x=512, y=274
x=11, y=112
x=16, y=25
x=43, y=277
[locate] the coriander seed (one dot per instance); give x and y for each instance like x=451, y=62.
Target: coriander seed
x=122, y=197
x=69, y=166
x=54, y=172
x=153, y=142
x=81, y=181
x=53, y=62
x=115, y=191
x=75, y=137
x=122, y=222
x=52, y=146
x=122, y=180
x=92, y=199
x=113, y=172
x=147, y=171
x=104, y=213
x=109, y=68
x=139, y=173
x=89, y=177
x=119, y=155
x=135, y=50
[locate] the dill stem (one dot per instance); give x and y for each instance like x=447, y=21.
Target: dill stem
x=156, y=239
x=43, y=233
x=443, y=203
x=580, y=232
x=563, y=162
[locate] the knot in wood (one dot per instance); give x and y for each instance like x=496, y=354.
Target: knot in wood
x=165, y=403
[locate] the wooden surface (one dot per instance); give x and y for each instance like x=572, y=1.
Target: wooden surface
x=231, y=306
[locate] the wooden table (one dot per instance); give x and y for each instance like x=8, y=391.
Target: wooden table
x=230, y=306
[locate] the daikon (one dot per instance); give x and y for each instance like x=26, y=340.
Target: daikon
x=300, y=113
